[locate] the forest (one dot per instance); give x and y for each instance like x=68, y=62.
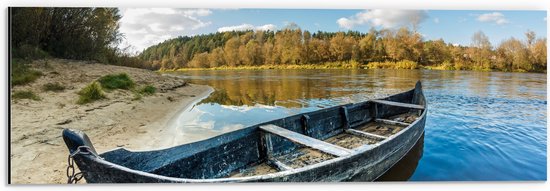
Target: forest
x=400, y=48
x=70, y=33
x=93, y=34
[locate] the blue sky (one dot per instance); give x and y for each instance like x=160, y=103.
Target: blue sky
x=146, y=27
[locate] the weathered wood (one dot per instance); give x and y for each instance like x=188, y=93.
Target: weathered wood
x=305, y=124
x=307, y=141
x=278, y=164
x=346, y=117
x=365, y=134
x=398, y=104
x=268, y=145
x=392, y=122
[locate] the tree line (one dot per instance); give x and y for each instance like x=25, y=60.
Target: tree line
x=292, y=46
x=93, y=34
x=72, y=33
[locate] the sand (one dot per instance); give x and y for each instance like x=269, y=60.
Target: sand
x=38, y=153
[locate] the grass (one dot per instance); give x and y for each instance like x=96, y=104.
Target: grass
x=327, y=65
x=405, y=64
x=116, y=81
x=21, y=74
x=25, y=95
x=54, y=87
x=92, y=92
x=147, y=90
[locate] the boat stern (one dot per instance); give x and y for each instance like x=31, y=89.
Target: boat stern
x=75, y=139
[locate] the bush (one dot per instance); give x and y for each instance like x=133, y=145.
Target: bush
x=25, y=95
x=90, y=93
x=21, y=74
x=29, y=52
x=116, y=81
x=54, y=87
x=147, y=90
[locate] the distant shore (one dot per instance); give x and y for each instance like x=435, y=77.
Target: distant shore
x=38, y=153
x=349, y=65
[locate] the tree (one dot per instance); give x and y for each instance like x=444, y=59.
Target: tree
x=216, y=58
x=76, y=33
x=481, y=50
x=341, y=47
x=231, y=51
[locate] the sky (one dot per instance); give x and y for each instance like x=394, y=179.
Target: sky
x=143, y=27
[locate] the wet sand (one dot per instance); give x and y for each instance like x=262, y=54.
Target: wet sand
x=38, y=153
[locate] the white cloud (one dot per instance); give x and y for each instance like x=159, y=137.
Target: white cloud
x=245, y=27
x=144, y=27
x=436, y=20
x=496, y=17
x=383, y=18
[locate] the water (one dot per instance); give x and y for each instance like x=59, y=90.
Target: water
x=480, y=125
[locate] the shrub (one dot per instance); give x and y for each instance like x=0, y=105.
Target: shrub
x=137, y=96
x=147, y=90
x=90, y=93
x=25, y=95
x=21, y=74
x=116, y=81
x=54, y=87
x=29, y=52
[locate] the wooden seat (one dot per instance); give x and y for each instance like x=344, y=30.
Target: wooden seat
x=306, y=141
x=398, y=104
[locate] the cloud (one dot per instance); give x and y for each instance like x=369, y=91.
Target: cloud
x=383, y=18
x=245, y=27
x=144, y=27
x=496, y=17
x=436, y=20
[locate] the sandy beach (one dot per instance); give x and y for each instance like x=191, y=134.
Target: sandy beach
x=38, y=153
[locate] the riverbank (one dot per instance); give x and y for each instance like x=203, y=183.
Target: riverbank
x=402, y=65
x=38, y=153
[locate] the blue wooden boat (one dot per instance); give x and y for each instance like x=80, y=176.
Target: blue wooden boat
x=352, y=142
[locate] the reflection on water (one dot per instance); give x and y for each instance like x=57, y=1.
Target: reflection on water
x=404, y=169
x=480, y=125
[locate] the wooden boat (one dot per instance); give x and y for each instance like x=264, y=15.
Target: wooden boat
x=351, y=142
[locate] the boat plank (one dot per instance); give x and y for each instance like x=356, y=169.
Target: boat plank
x=397, y=104
x=392, y=122
x=365, y=134
x=306, y=141
x=278, y=165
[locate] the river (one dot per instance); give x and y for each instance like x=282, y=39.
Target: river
x=480, y=125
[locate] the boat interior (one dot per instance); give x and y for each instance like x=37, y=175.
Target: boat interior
x=280, y=145
x=345, y=141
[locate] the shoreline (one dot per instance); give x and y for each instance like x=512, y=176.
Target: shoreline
x=324, y=67
x=170, y=123
x=39, y=155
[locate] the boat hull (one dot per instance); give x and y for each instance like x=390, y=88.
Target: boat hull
x=366, y=163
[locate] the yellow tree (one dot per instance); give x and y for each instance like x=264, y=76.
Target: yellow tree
x=231, y=51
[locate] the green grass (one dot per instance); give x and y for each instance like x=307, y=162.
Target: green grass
x=147, y=90
x=25, y=95
x=116, y=81
x=137, y=96
x=327, y=65
x=21, y=74
x=54, y=87
x=92, y=92
x=405, y=64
